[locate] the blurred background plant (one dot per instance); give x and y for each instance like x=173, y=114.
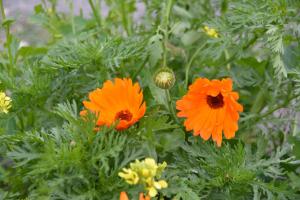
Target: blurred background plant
x=56, y=53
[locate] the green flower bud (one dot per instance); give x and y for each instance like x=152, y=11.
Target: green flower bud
x=164, y=78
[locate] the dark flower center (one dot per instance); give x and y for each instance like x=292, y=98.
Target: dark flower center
x=215, y=102
x=124, y=115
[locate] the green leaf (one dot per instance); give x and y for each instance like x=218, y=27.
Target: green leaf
x=155, y=49
x=32, y=51
x=190, y=37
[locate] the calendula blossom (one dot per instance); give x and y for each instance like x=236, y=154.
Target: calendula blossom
x=147, y=172
x=211, y=32
x=123, y=196
x=211, y=109
x=119, y=102
x=5, y=103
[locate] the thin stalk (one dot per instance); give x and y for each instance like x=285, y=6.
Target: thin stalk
x=170, y=105
x=227, y=57
x=125, y=20
x=295, y=126
x=8, y=39
x=2, y=11
x=166, y=30
x=140, y=68
x=95, y=13
x=72, y=17
x=187, y=68
x=252, y=41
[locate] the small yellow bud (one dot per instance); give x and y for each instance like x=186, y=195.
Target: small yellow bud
x=163, y=184
x=211, y=32
x=152, y=191
x=131, y=177
x=157, y=185
x=145, y=172
x=164, y=78
x=5, y=103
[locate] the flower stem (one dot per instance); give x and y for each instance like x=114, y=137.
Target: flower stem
x=95, y=13
x=140, y=68
x=166, y=30
x=227, y=57
x=170, y=105
x=187, y=68
x=8, y=39
x=125, y=20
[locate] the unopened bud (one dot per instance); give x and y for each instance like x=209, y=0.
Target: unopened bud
x=164, y=78
x=72, y=143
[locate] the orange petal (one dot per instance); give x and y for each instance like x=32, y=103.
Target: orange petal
x=123, y=196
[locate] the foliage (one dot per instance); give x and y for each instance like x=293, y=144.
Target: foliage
x=47, y=151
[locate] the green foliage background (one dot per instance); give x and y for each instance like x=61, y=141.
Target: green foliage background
x=48, y=152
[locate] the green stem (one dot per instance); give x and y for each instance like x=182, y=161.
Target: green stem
x=252, y=41
x=140, y=68
x=8, y=39
x=227, y=57
x=72, y=17
x=125, y=20
x=170, y=105
x=95, y=13
x=286, y=102
x=166, y=30
x=187, y=68
x=2, y=10
x=295, y=126
x=258, y=103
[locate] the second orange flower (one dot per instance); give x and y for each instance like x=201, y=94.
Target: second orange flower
x=210, y=108
x=120, y=102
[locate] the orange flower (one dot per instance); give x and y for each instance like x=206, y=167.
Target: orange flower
x=121, y=101
x=142, y=197
x=123, y=196
x=211, y=108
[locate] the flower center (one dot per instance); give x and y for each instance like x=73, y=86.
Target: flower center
x=124, y=115
x=215, y=102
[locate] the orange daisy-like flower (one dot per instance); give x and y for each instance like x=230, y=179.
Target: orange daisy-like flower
x=121, y=101
x=123, y=196
x=210, y=108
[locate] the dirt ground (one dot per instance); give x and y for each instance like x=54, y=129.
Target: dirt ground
x=21, y=10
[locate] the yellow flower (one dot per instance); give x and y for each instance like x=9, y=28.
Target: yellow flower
x=145, y=172
x=131, y=177
x=211, y=32
x=5, y=103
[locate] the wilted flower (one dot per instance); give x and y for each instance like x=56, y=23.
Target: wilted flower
x=147, y=171
x=211, y=32
x=5, y=103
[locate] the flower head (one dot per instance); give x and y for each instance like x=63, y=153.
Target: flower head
x=5, y=103
x=211, y=32
x=123, y=196
x=147, y=171
x=120, y=102
x=210, y=108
